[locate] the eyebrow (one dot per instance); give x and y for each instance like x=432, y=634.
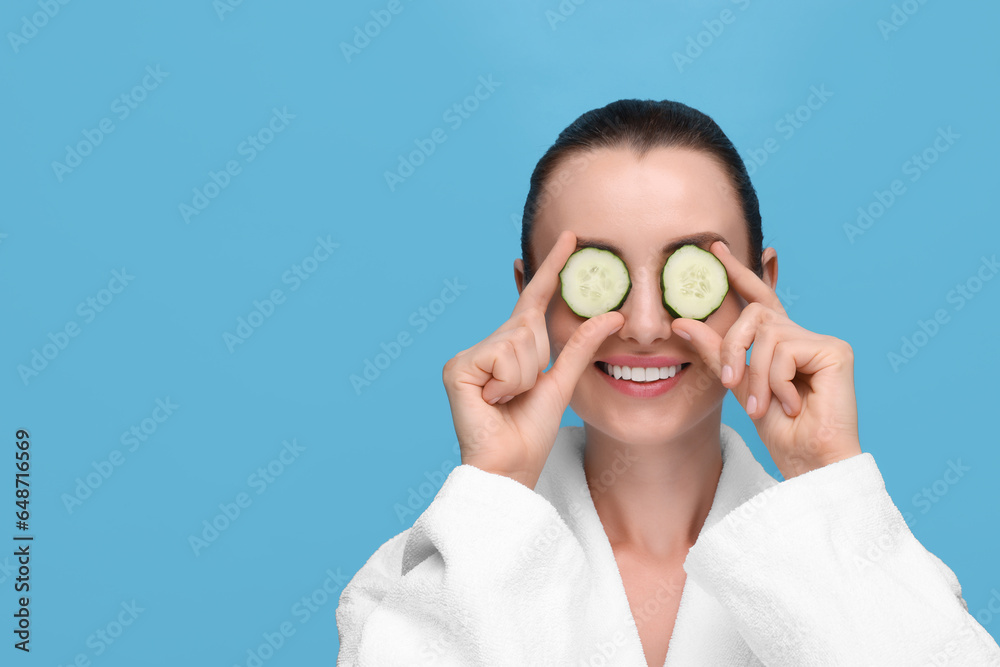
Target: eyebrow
x=700, y=239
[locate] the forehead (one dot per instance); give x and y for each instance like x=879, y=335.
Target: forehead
x=639, y=204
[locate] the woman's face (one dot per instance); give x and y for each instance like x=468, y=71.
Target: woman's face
x=641, y=207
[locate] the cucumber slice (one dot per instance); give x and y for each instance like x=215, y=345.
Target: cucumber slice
x=694, y=283
x=594, y=281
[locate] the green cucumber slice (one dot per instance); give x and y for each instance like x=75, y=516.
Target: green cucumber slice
x=694, y=283
x=594, y=281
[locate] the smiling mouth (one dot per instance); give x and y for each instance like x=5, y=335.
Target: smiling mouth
x=640, y=374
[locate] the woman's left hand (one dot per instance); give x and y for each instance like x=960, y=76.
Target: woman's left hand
x=799, y=386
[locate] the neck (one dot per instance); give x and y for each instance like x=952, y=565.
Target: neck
x=654, y=499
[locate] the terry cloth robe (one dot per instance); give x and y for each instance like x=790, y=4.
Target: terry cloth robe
x=820, y=569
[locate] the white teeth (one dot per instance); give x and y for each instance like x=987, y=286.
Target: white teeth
x=640, y=373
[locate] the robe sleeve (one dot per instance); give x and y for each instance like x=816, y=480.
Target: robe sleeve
x=821, y=569
x=477, y=580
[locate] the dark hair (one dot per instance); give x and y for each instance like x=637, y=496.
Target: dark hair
x=641, y=125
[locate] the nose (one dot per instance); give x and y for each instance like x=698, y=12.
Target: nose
x=646, y=320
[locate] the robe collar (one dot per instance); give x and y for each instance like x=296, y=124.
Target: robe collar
x=704, y=633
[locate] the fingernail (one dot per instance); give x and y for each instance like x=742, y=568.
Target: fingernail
x=786, y=408
x=683, y=334
x=616, y=329
x=725, y=248
x=494, y=400
x=751, y=404
x=505, y=399
x=727, y=374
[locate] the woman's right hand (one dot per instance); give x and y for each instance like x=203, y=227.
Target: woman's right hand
x=506, y=408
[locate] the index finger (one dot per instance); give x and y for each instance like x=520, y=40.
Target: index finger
x=543, y=284
x=746, y=282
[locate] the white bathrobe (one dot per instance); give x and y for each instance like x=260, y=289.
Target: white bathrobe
x=820, y=569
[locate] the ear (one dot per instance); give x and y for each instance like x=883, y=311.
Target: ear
x=769, y=266
x=519, y=274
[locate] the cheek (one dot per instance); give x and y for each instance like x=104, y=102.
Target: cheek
x=727, y=314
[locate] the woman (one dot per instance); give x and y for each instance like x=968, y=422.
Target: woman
x=652, y=527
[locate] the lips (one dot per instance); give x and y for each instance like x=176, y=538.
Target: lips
x=640, y=370
x=640, y=373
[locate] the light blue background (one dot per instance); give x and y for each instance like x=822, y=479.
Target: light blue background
x=454, y=218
